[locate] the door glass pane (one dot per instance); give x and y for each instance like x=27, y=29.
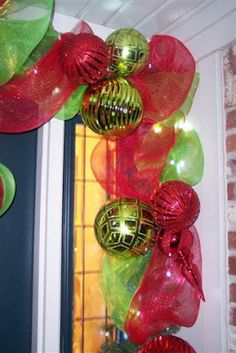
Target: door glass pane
x=91, y=326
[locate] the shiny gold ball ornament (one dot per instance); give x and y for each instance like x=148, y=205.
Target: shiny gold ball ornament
x=112, y=107
x=128, y=50
x=125, y=226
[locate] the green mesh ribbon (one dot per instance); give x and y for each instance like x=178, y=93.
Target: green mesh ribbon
x=50, y=37
x=185, y=161
x=73, y=105
x=120, y=280
x=21, y=29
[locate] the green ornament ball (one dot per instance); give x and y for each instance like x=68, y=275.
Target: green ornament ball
x=128, y=50
x=125, y=227
x=112, y=107
x=8, y=184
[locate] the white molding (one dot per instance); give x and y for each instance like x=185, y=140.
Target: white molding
x=215, y=37
x=211, y=331
x=209, y=334
x=222, y=172
x=47, y=250
x=210, y=13
x=63, y=23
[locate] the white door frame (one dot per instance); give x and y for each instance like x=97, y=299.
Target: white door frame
x=209, y=333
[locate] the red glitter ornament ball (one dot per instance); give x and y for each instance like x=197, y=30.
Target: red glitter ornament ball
x=176, y=205
x=167, y=344
x=84, y=57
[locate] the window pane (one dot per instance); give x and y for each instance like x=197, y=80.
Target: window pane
x=78, y=297
x=90, y=320
x=79, y=195
x=94, y=306
x=93, y=251
x=93, y=336
x=77, y=337
x=78, y=249
x=91, y=142
x=79, y=158
x=95, y=197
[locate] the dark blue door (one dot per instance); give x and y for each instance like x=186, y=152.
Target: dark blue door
x=18, y=153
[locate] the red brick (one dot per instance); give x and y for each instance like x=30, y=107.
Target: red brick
x=231, y=164
x=232, y=265
x=232, y=240
x=231, y=143
x=232, y=60
x=230, y=75
x=231, y=120
x=232, y=292
x=232, y=316
x=231, y=191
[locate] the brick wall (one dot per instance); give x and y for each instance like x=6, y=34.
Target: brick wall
x=229, y=60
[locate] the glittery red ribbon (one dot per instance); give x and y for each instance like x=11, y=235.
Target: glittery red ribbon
x=34, y=97
x=165, y=296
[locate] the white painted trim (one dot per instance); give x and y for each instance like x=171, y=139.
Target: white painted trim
x=222, y=155
x=209, y=334
x=210, y=14
x=47, y=250
x=217, y=36
x=63, y=23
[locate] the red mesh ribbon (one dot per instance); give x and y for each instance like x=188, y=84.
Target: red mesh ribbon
x=1, y=193
x=132, y=166
x=165, y=82
x=177, y=245
x=167, y=344
x=165, y=297
x=30, y=100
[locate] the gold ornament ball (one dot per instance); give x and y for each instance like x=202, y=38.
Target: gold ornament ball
x=128, y=51
x=112, y=107
x=125, y=226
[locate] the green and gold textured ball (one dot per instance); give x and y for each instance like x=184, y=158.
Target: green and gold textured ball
x=128, y=51
x=125, y=226
x=112, y=107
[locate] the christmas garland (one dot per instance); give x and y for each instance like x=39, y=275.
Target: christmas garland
x=137, y=95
